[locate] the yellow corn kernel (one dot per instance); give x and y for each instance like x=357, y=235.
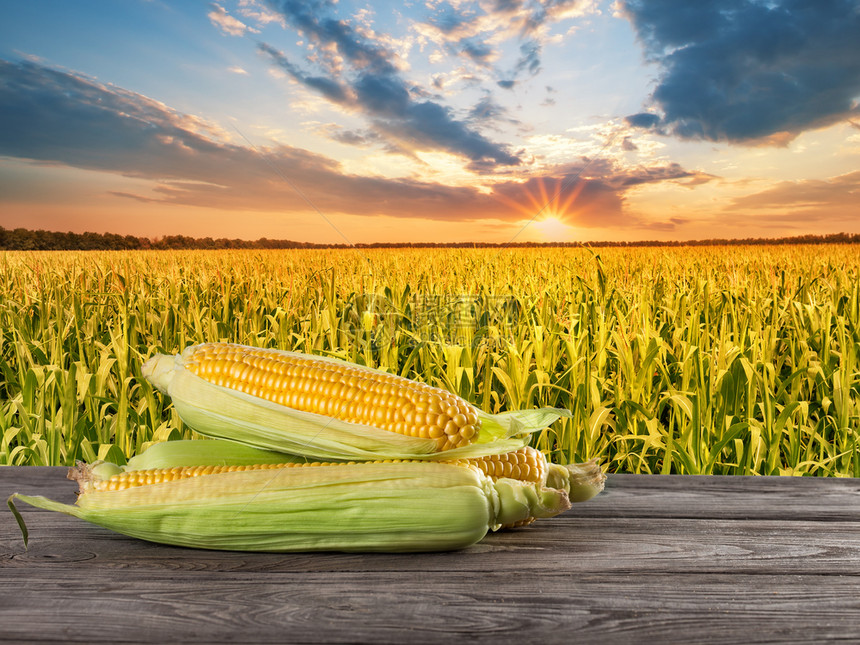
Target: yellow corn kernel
x=133, y=478
x=347, y=392
x=526, y=464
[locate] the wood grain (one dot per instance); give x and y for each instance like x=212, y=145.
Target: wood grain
x=652, y=559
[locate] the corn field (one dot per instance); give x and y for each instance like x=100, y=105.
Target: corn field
x=708, y=360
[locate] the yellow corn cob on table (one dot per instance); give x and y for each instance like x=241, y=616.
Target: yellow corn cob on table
x=328, y=409
x=367, y=506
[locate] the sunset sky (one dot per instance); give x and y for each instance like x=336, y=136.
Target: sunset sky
x=433, y=120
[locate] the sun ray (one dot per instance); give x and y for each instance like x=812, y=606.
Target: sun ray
x=545, y=199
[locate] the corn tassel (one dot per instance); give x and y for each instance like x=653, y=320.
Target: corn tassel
x=328, y=409
x=372, y=506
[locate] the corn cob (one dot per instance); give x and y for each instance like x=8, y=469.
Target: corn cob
x=192, y=458
x=580, y=481
x=352, y=393
x=525, y=464
x=328, y=409
x=369, y=506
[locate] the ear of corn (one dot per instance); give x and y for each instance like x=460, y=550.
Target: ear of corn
x=581, y=481
x=373, y=506
x=328, y=409
x=177, y=459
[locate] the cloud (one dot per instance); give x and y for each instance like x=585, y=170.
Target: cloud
x=749, y=71
x=55, y=117
x=329, y=88
x=372, y=85
x=474, y=30
x=591, y=192
x=308, y=17
x=529, y=60
x=258, y=12
x=488, y=110
x=644, y=120
x=227, y=23
x=810, y=196
x=478, y=52
x=361, y=138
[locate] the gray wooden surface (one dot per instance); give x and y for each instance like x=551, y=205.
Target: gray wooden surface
x=653, y=559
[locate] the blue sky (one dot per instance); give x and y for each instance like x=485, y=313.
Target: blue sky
x=437, y=121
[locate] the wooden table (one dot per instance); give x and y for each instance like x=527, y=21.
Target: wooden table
x=653, y=559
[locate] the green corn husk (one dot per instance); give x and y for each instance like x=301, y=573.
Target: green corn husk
x=205, y=452
x=581, y=482
x=387, y=507
x=221, y=412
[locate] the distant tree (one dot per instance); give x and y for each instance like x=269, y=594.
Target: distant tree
x=40, y=240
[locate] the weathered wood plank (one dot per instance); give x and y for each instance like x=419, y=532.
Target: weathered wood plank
x=725, y=497
x=576, y=545
x=663, y=559
x=433, y=607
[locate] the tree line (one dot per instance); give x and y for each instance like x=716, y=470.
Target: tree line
x=22, y=239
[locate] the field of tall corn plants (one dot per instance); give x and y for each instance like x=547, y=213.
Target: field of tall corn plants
x=708, y=360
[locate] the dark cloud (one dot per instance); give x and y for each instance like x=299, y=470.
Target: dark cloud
x=479, y=52
x=650, y=175
x=468, y=27
x=329, y=88
x=644, y=120
x=428, y=124
x=54, y=117
x=487, y=109
x=447, y=18
x=374, y=87
x=746, y=70
x=529, y=60
x=362, y=138
x=57, y=117
x=308, y=17
x=506, y=6
x=49, y=115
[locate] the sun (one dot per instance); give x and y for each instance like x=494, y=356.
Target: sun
x=552, y=228
x=549, y=206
